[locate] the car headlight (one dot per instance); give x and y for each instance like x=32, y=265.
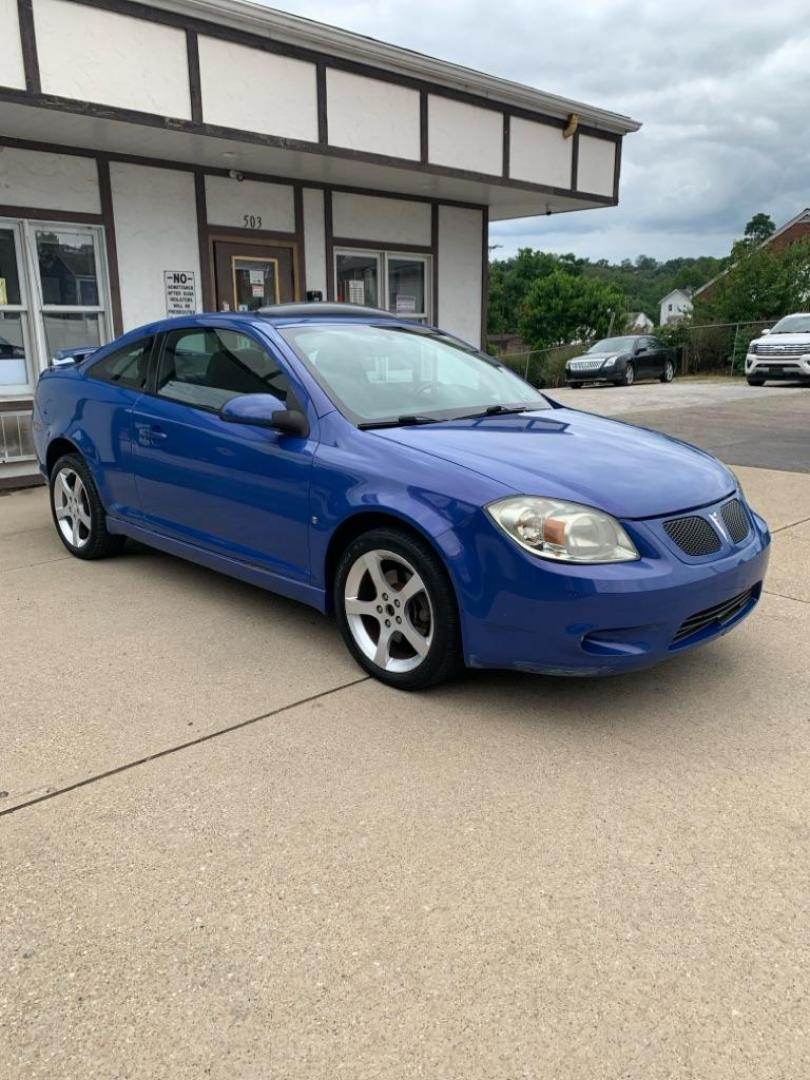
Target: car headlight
x=753, y=349
x=610, y=361
x=563, y=531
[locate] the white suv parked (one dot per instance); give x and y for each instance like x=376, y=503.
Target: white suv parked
x=782, y=353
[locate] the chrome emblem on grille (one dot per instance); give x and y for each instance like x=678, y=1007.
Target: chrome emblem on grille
x=717, y=521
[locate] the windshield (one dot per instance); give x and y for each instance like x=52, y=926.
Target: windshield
x=378, y=373
x=793, y=324
x=613, y=344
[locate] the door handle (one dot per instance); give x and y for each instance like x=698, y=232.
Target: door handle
x=149, y=434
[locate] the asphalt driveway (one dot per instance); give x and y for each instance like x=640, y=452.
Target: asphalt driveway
x=224, y=853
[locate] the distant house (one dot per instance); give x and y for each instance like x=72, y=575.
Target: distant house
x=798, y=228
x=675, y=306
x=636, y=322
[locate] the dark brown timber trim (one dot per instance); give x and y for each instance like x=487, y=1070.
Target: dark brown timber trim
x=323, y=116
x=298, y=202
x=105, y=196
x=507, y=134
x=206, y=265
x=194, y=84
x=574, y=160
x=423, y=127
x=330, y=247
x=28, y=40
x=35, y=213
x=617, y=170
x=380, y=245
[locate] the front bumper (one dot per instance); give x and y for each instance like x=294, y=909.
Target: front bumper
x=599, y=375
x=561, y=619
x=771, y=368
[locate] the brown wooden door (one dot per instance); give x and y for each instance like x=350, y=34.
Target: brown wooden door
x=251, y=276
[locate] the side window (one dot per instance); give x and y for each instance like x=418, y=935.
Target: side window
x=207, y=367
x=127, y=367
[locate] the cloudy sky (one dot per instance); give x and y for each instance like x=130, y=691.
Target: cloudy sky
x=721, y=86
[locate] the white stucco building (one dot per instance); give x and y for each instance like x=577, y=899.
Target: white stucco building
x=170, y=155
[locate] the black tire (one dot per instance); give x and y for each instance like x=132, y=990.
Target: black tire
x=629, y=376
x=575, y=385
x=755, y=382
x=443, y=658
x=668, y=374
x=94, y=541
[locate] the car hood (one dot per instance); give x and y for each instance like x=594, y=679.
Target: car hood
x=783, y=339
x=562, y=453
x=598, y=356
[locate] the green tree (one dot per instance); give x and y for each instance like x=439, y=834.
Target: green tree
x=760, y=284
x=562, y=307
x=759, y=229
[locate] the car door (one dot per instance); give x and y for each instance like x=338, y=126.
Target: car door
x=644, y=358
x=236, y=490
x=104, y=417
x=658, y=356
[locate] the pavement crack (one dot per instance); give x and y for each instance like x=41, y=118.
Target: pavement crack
x=785, y=596
x=792, y=525
x=53, y=793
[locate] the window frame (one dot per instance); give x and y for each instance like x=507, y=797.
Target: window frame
x=24, y=310
x=159, y=347
x=95, y=363
x=383, y=256
x=34, y=311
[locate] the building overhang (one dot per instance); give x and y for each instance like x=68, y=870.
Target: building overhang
x=175, y=80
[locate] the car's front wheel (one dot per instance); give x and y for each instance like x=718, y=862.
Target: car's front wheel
x=80, y=520
x=629, y=376
x=396, y=609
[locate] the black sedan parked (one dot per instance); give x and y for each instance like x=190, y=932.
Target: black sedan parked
x=622, y=360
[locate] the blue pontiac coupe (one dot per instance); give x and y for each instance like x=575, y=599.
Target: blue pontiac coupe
x=443, y=509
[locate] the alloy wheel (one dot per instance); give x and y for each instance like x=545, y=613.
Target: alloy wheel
x=629, y=375
x=669, y=371
x=389, y=611
x=72, y=508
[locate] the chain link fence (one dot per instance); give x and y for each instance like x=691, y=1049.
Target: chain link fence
x=718, y=348
x=708, y=349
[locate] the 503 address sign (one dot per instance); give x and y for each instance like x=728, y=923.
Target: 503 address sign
x=252, y=221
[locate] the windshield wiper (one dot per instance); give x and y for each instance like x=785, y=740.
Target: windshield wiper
x=495, y=410
x=400, y=421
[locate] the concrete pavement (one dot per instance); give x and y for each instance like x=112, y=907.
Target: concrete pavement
x=231, y=856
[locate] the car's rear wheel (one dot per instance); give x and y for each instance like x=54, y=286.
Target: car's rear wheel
x=755, y=382
x=668, y=374
x=397, y=611
x=629, y=376
x=81, y=523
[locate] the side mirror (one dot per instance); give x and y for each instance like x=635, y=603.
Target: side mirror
x=762, y=333
x=264, y=410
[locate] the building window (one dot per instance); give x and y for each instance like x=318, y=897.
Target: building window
x=52, y=296
x=398, y=282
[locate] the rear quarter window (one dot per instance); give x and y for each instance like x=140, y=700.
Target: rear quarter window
x=126, y=367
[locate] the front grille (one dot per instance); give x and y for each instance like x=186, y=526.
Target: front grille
x=782, y=350
x=694, y=535
x=585, y=365
x=717, y=616
x=736, y=520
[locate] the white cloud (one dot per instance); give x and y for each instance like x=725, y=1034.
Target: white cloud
x=722, y=90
